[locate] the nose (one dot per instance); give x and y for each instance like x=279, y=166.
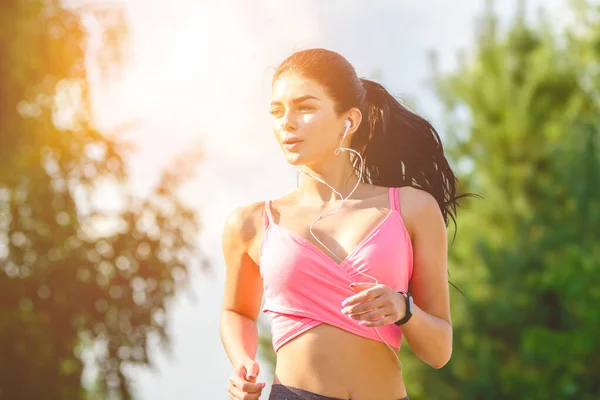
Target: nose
x=288, y=122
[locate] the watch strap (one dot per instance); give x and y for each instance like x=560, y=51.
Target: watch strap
x=408, y=309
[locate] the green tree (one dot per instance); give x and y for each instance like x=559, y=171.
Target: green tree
x=524, y=133
x=74, y=274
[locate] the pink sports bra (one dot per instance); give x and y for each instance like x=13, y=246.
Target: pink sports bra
x=304, y=287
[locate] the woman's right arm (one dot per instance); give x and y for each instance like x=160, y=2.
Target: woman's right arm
x=243, y=286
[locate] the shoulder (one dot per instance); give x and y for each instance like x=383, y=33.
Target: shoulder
x=280, y=203
x=419, y=209
x=244, y=223
x=416, y=200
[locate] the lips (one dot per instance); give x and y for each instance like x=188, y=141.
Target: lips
x=291, y=140
x=291, y=143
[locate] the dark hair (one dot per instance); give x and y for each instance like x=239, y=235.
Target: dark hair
x=399, y=147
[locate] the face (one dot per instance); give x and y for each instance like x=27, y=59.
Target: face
x=305, y=122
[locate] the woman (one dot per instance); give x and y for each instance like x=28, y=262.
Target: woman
x=335, y=270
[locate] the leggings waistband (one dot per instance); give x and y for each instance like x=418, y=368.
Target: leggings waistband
x=283, y=392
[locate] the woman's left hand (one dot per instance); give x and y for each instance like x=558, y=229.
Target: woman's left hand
x=374, y=304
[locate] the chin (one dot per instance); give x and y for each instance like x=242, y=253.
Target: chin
x=299, y=159
x=295, y=160
x=304, y=156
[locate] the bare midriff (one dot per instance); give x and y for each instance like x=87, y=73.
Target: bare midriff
x=335, y=363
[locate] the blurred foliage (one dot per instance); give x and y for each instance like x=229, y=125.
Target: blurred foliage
x=75, y=274
x=265, y=345
x=524, y=132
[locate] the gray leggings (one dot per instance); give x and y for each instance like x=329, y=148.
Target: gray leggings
x=282, y=392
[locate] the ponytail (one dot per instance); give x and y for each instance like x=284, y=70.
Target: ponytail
x=400, y=148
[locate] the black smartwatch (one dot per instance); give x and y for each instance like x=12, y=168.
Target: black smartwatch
x=409, y=309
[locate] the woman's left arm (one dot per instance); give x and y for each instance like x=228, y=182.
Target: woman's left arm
x=429, y=331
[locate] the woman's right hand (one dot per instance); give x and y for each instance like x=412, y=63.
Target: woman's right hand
x=242, y=382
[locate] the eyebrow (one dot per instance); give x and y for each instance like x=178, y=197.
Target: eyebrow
x=297, y=100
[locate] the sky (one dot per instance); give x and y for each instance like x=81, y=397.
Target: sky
x=199, y=72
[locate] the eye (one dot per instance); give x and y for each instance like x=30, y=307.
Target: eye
x=276, y=112
x=306, y=109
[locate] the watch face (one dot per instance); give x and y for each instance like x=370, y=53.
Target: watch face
x=410, y=304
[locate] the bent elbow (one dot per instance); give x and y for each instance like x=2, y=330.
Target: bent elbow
x=441, y=362
x=446, y=352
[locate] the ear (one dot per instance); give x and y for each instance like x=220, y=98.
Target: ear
x=355, y=117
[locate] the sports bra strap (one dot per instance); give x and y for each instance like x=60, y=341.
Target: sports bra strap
x=394, y=201
x=268, y=215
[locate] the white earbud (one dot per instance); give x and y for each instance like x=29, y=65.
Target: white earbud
x=346, y=127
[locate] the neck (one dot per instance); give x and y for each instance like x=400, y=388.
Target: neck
x=337, y=172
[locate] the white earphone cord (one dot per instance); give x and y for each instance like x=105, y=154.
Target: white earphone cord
x=329, y=213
